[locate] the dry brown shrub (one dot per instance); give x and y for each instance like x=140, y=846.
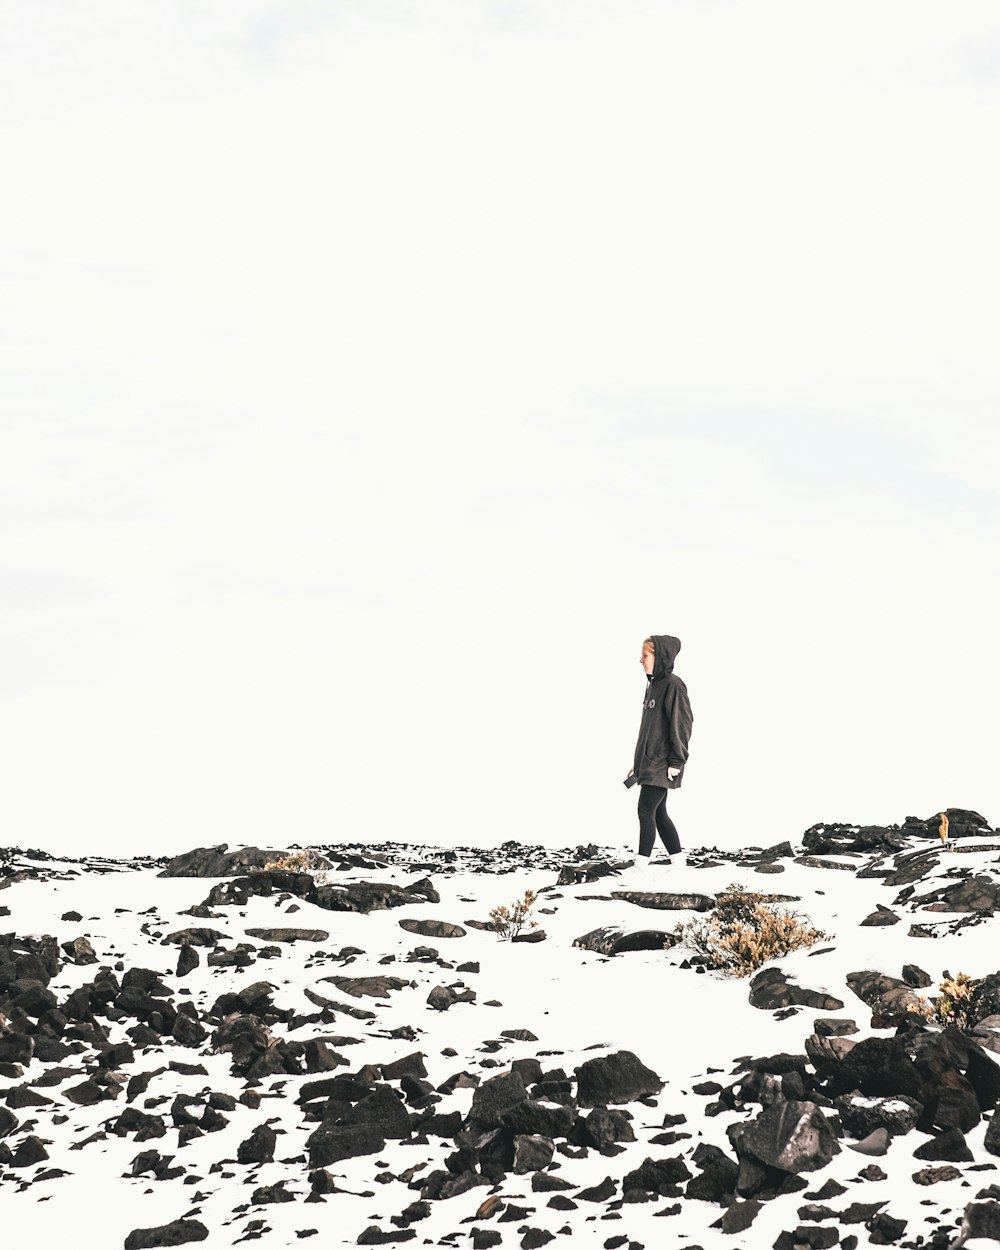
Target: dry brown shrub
x=509, y=921
x=744, y=932
x=295, y=861
x=955, y=1004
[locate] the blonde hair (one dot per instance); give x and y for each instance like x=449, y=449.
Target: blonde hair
x=648, y=643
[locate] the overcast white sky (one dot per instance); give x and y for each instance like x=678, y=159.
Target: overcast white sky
x=376, y=376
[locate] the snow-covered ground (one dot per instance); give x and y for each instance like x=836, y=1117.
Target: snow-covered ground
x=686, y=1025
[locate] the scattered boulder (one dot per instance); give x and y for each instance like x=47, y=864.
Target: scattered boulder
x=179, y=1233
x=433, y=928
x=614, y=940
x=861, y=1114
x=793, y=1136
x=219, y=861
x=289, y=935
x=771, y=989
x=621, y=1077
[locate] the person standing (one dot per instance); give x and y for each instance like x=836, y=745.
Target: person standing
x=662, y=747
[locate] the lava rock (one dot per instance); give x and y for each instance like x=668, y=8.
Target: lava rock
x=771, y=989
x=793, y=1136
x=861, y=1115
x=433, y=928
x=179, y=1233
x=259, y=1146
x=532, y=1153
x=949, y=1147
x=614, y=940
x=494, y=1097
x=617, y=1078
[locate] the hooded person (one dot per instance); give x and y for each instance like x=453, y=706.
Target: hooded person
x=661, y=750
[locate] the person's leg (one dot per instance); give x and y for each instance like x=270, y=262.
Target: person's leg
x=650, y=797
x=666, y=829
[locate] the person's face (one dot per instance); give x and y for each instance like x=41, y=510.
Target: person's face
x=647, y=660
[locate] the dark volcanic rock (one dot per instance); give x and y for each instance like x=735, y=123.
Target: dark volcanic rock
x=651, y=1174
x=494, y=1097
x=977, y=893
x=659, y=900
x=616, y=1078
x=332, y=1142
x=289, y=935
x=717, y=1181
x=259, y=1146
x=878, y=1067
x=880, y=917
x=861, y=1115
x=196, y=937
x=532, y=1153
x=539, y=1119
x=603, y=1128
x=187, y=959
x=179, y=1233
x=962, y=823
x=770, y=989
x=613, y=940
x=991, y=1141
x=981, y=1219
x=883, y=1229
x=432, y=928
x=793, y=1136
x=80, y=951
x=218, y=861
x=381, y=1110
x=889, y=997
x=949, y=1147
x=442, y=997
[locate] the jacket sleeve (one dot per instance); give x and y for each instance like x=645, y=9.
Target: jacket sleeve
x=680, y=722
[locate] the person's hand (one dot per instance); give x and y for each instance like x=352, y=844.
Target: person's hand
x=630, y=772
x=672, y=773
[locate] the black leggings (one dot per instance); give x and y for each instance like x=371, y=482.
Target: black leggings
x=653, y=820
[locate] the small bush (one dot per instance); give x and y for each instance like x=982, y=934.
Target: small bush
x=509, y=921
x=744, y=932
x=295, y=861
x=954, y=1005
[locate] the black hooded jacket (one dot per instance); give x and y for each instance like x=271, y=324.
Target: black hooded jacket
x=665, y=729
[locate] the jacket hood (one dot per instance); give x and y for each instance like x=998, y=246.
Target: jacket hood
x=665, y=647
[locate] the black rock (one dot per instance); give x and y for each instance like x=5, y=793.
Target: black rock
x=495, y=1096
x=651, y=1174
x=614, y=940
x=374, y=1236
x=259, y=1146
x=861, y=1114
x=603, y=1128
x=991, y=1141
x=877, y=1066
x=331, y=1142
x=532, y=1153
x=739, y=1215
x=981, y=1219
x=179, y=1233
x=382, y=1111
x=600, y=1193
x=218, y=861
x=771, y=989
x=540, y=1119
x=617, y=1078
x=718, y=1173
x=949, y=1147
x=29, y=1152
x=883, y=1229
x=793, y=1136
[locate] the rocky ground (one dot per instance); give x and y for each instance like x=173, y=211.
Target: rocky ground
x=205, y=1049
